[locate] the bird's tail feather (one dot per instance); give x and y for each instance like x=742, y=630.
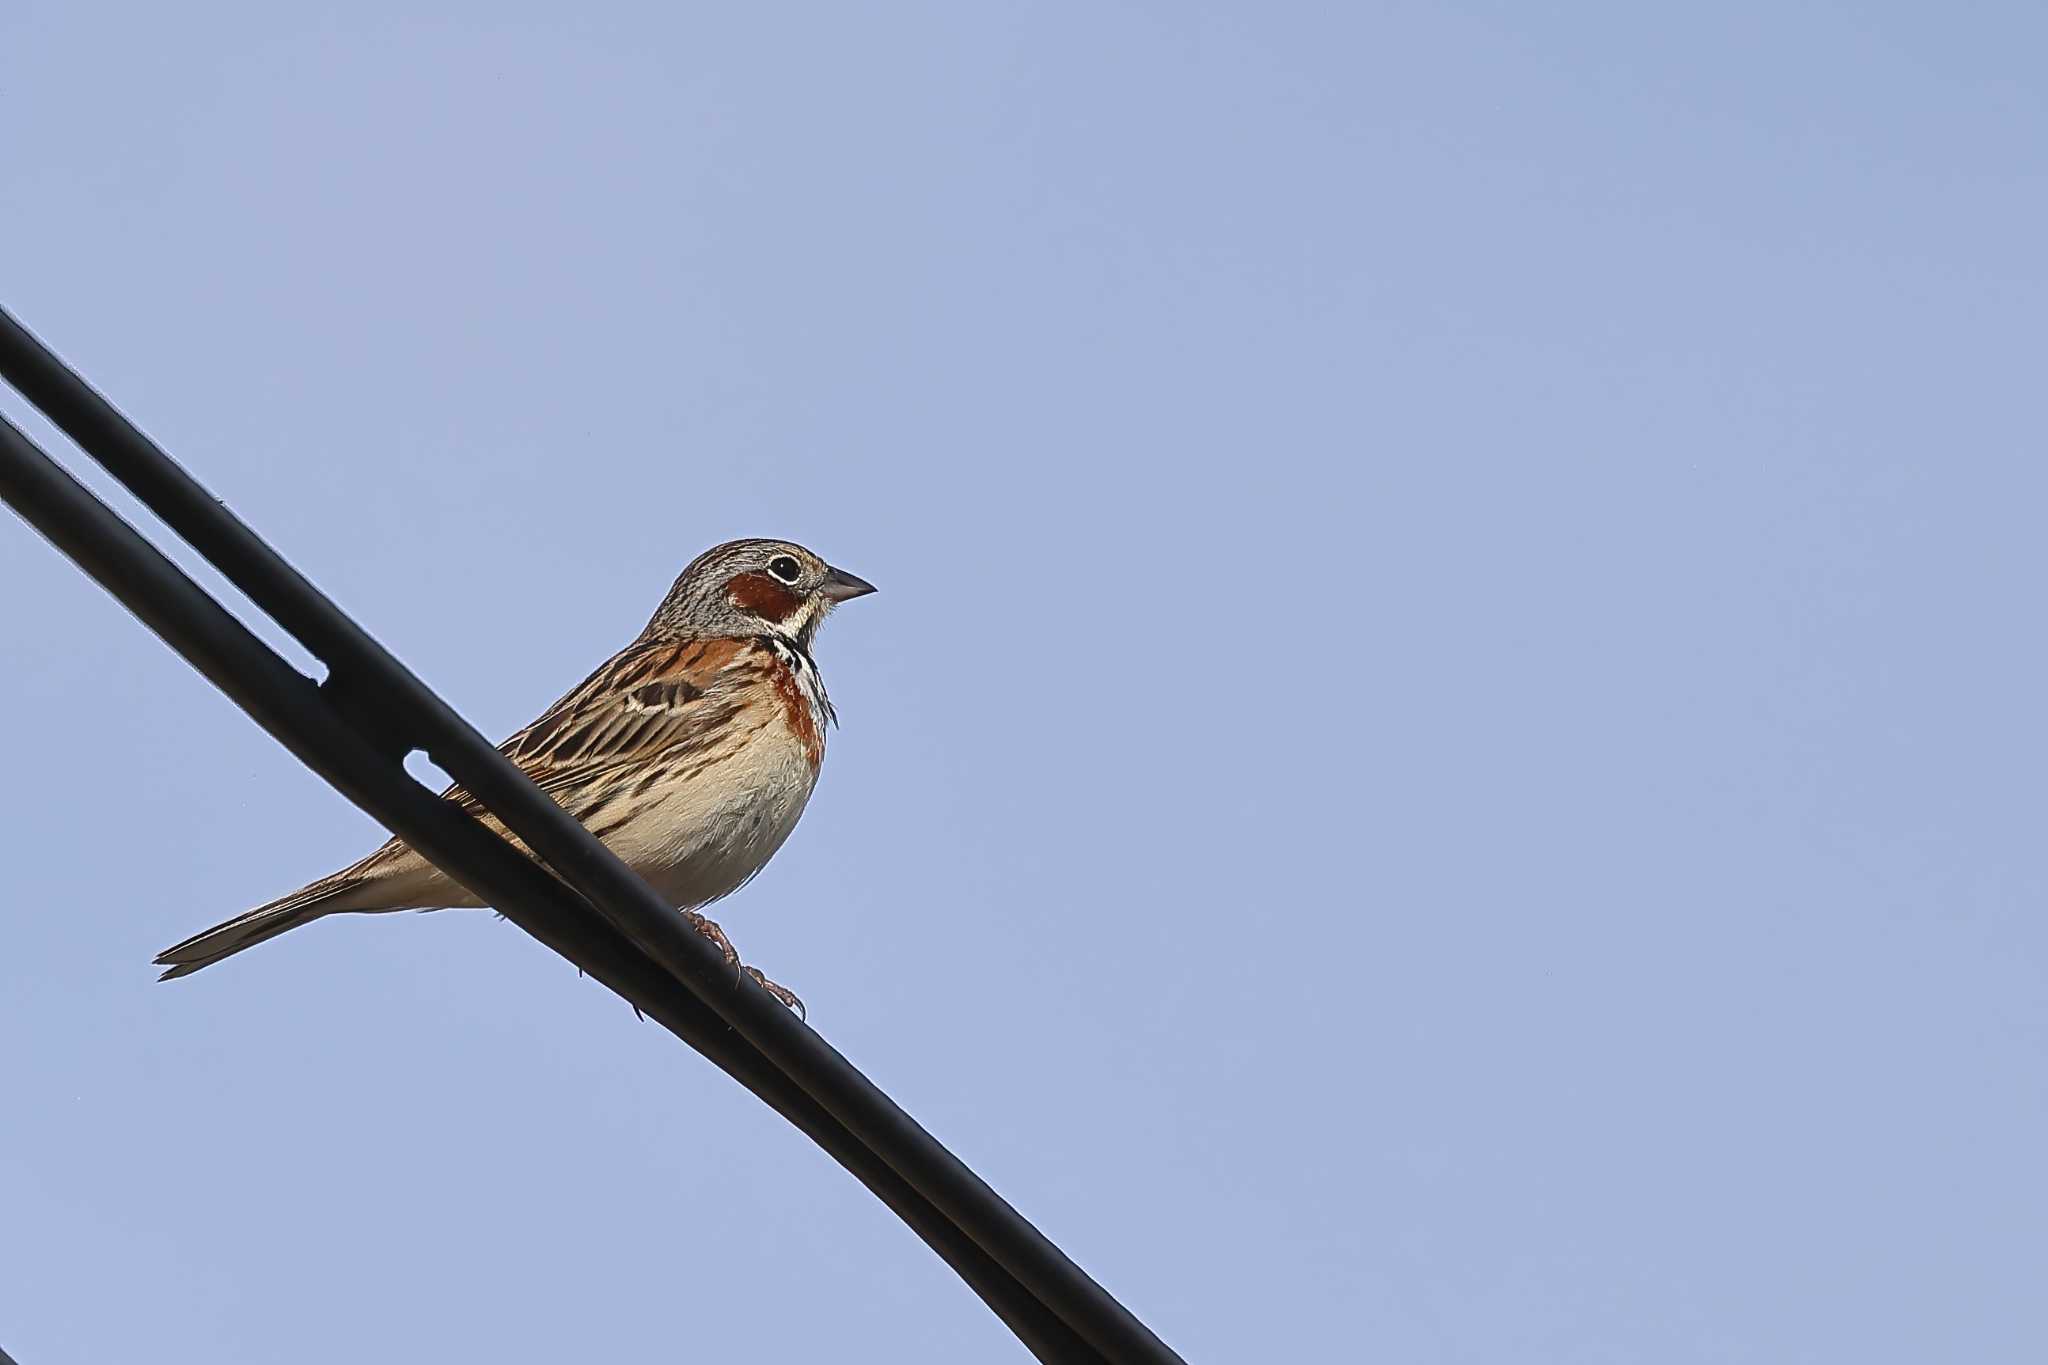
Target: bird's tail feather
x=264, y=922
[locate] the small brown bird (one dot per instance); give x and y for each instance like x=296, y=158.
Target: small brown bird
x=691, y=753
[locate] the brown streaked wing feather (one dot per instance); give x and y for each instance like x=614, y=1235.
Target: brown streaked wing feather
x=660, y=698
x=649, y=699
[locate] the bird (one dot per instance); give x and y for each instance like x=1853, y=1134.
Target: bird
x=690, y=753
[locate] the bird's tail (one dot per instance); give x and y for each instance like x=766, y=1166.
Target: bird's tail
x=264, y=922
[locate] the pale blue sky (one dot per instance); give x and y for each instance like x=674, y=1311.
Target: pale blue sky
x=1447, y=767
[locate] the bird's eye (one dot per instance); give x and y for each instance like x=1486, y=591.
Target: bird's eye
x=786, y=568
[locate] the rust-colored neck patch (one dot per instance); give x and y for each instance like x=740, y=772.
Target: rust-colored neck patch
x=798, y=710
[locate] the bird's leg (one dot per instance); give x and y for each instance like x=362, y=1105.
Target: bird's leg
x=709, y=928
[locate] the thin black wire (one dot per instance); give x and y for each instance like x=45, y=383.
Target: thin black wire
x=295, y=712
x=376, y=683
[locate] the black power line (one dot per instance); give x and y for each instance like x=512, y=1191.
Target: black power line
x=290, y=708
x=355, y=730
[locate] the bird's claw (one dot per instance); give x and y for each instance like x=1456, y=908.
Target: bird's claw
x=709, y=929
x=784, y=996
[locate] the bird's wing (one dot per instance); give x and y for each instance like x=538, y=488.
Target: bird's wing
x=644, y=700
x=680, y=700
x=683, y=701
x=650, y=699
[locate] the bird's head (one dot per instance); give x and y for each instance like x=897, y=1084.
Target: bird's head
x=755, y=587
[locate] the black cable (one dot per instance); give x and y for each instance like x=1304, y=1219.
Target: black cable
x=293, y=710
x=420, y=719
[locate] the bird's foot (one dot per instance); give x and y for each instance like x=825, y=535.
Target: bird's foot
x=784, y=996
x=709, y=928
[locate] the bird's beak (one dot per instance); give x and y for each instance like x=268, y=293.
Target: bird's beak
x=841, y=586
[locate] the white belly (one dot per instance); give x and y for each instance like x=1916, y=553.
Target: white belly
x=714, y=832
